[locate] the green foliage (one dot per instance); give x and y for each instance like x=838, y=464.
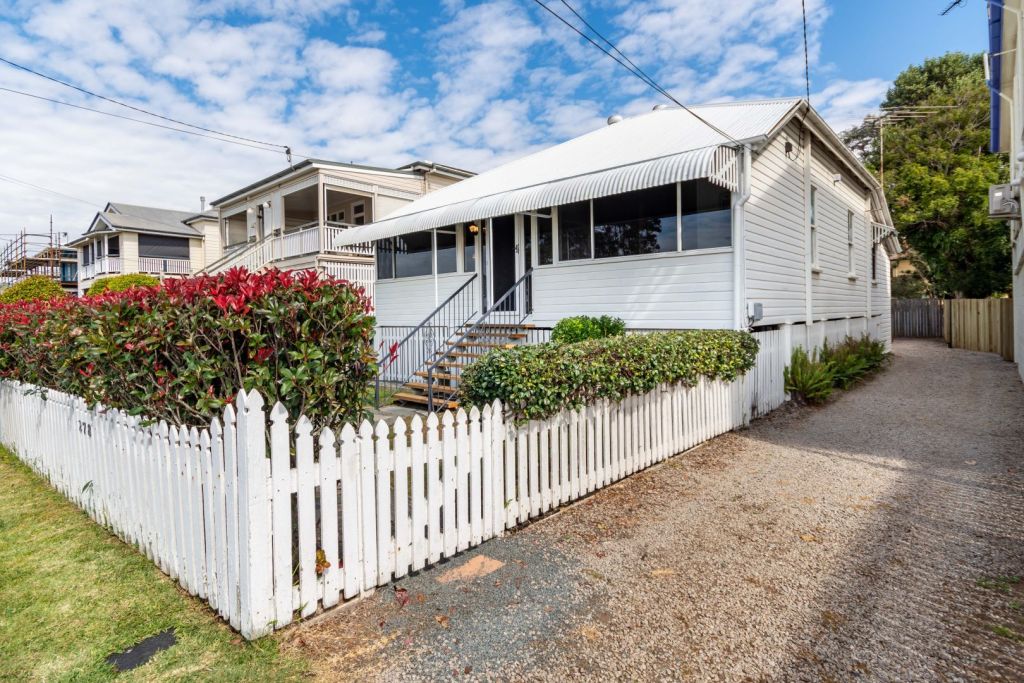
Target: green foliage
x=582, y=327
x=909, y=286
x=32, y=288
x=537, y=381
x=937, y=173
x=183, y=351
x=121, y=283
x=813, y=377
x=808, y=378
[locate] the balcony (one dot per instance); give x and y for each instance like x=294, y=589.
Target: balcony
x=164, y=266
x=115, y=265
x=106, y=265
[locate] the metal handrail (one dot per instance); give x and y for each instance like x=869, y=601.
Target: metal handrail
x=496, y=311
x=453, y=313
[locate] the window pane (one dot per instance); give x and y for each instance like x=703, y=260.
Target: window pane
x=545, y=243
x=385, y=259
x=158, y=246
x=99, y=249
x=814, y=205
x=641, y=222
x=707, y=216
x=114, y=246
x=468, y=249
x=447, y=254
x=574, y=231
x=412, y=254
x=527, y=244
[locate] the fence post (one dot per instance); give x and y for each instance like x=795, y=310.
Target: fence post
x=256, y=585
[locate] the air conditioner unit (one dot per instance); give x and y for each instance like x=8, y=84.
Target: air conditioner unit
x=1003, y=202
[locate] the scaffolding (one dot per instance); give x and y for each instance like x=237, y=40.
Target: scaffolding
x=31, y=253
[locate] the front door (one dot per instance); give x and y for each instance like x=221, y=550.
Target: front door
x=503, y=259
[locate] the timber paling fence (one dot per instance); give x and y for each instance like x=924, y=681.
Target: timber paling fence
x=917, y=317
x=267, y=522
x=980, y=325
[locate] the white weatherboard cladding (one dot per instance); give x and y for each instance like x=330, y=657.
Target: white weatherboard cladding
x=775, y=232
x=681, y=291
x=834, y=294
x=644, y=151
x=407, y=301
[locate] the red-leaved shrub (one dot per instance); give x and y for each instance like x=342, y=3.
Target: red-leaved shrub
x=181, y=351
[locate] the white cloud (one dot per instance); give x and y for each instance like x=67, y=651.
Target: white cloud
x=487, y=82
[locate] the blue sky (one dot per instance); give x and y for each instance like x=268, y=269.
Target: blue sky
x=470, y=84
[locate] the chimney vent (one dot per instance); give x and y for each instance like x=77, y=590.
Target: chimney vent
x=614, y=118
x=202, y=204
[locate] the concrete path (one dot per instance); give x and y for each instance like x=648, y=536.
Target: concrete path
x=878, y=538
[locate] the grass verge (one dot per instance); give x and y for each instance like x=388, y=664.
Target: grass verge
x=71, y=593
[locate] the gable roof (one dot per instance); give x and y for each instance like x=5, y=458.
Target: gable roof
x=120, y=217
x=656, y=148
x=666, y=145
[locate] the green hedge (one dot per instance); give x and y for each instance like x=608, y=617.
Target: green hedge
x=538, y=381
x=582, y=327
x=32, y=288
x=121, y=283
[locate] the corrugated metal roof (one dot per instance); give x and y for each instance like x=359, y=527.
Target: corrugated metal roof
x=149, y=219
x=656, y=148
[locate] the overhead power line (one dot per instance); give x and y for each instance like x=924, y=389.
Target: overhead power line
x=16, y=181
x=142, y=122
x=807, y=60
x=629, y=65
x=285, y=148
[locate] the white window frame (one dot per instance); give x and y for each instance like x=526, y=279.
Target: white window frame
x=358, y=211
x=850, y=252
x=813, y=236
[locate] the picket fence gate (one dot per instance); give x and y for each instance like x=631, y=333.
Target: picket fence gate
x=267, y=521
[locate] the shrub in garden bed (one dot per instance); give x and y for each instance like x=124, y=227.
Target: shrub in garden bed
x=582, y=327
x=182, y=351
x=32, y=288
x=538, y=381
x=812, y=378
x=121, y=283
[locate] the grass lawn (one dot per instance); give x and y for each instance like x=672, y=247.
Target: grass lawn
x=71, y=594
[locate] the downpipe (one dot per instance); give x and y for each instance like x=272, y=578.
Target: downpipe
x=740, y=318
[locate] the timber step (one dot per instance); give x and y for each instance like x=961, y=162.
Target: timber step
x=473, y=342
x=437, y=375
x=422, y=399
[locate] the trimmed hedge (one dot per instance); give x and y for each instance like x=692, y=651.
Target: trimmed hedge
x=182, y=351
x=121, y=283
x=32, y=288
x=538, y=381
x=582, y=327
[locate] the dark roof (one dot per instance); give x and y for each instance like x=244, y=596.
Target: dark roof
x=119, y=217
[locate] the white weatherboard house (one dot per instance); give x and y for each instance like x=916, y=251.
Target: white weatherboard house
x=127, y=238
x=659, y=219
x=294, y=219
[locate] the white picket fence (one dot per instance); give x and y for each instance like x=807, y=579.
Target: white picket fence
x=244, y=530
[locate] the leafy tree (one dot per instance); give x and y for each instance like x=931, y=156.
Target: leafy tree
x=32, y=288
x=937, y=173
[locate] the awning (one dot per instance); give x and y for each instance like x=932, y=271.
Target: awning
x=717, y=163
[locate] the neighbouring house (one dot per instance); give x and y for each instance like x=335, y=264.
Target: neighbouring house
x=126, y=238
x=762, y=218
x=29, y=254
x=294, y=219
x=1006, y=71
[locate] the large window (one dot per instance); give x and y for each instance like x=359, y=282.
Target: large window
x=641, y=222
x=545, y=241
x=447, y=253
x=159, y=246
x=574, y=231
x=113, y=246
x=707, y=215
x=412, y=254
x=468, y=249
x=385, y=259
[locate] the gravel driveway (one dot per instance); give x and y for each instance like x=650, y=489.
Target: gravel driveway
x=878, y=538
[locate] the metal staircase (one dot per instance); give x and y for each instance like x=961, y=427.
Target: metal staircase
x=436, y=384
